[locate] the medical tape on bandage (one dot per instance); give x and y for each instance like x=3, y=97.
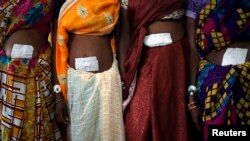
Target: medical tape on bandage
x=159, y=39
x=22, y=51
x=234, y=56
x=87, y=64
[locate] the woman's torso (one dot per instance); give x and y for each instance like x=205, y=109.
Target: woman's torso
x=91, y=35
x=215, y=56
x=81, y=46
x=34, y=37
x=170, y=23
x=29, y=24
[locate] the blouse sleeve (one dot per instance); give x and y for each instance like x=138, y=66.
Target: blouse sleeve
x=192, y=8
x=57, y=7
x=124, y=4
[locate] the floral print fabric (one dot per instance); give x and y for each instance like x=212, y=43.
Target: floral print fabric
x=93, y=17
x=26, y=100
x=23, y=13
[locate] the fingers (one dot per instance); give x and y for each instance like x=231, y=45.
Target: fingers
x=196, y=118
x=59, y=118
x=196, y=114
x=198, y=125
x=61, y=113
x=65, y=116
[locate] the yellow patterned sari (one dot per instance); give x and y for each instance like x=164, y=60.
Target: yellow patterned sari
x=26, y=100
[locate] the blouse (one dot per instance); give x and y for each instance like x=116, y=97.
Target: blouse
x=178, y=14
x=194, y=7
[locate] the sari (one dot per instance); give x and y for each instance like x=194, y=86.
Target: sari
x=223, y=90
x=98, y=21
x=26, y=100
x=95, y=102
x=155, y=77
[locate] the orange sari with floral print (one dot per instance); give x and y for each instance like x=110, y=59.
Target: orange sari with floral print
x=90, y=17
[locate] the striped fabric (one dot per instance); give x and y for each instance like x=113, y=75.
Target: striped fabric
x=95, y=105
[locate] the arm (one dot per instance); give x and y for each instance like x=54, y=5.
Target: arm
x=193, y=58
x=55, y=79
x=123, y=40
x=193, y=68
x=60, y=102
x=60, y=107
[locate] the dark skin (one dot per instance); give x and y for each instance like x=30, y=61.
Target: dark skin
x=38, y=39
x=194, y=59
x=82, y=46
x=213, y=57
x=61, y=107
x=176, y=29
x=123, y=40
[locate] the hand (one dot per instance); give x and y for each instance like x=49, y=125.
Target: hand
x=61, y=111
x=196, y=115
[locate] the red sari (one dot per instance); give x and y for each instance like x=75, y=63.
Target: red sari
x=158, y=108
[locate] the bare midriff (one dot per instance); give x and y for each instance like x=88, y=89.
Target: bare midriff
x=174, y=27
x=37, y=38
x=81, y=46
x=216, y=57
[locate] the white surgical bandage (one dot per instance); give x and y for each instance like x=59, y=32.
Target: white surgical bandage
x=234, y=56
x=22, y=51
x=159, y=39
x=87, y=64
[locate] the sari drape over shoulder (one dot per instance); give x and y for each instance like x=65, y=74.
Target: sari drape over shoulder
x=141, y=14
x=223, y=90
x=220, y=22
x=26, y=100
x=90, y=17
x=155, y=77
x=16, y=14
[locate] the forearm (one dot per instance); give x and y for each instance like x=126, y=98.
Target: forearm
x=122, y=52
x=193, y=59
x=123, y=40
x=193, y=56
x=54, y=75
